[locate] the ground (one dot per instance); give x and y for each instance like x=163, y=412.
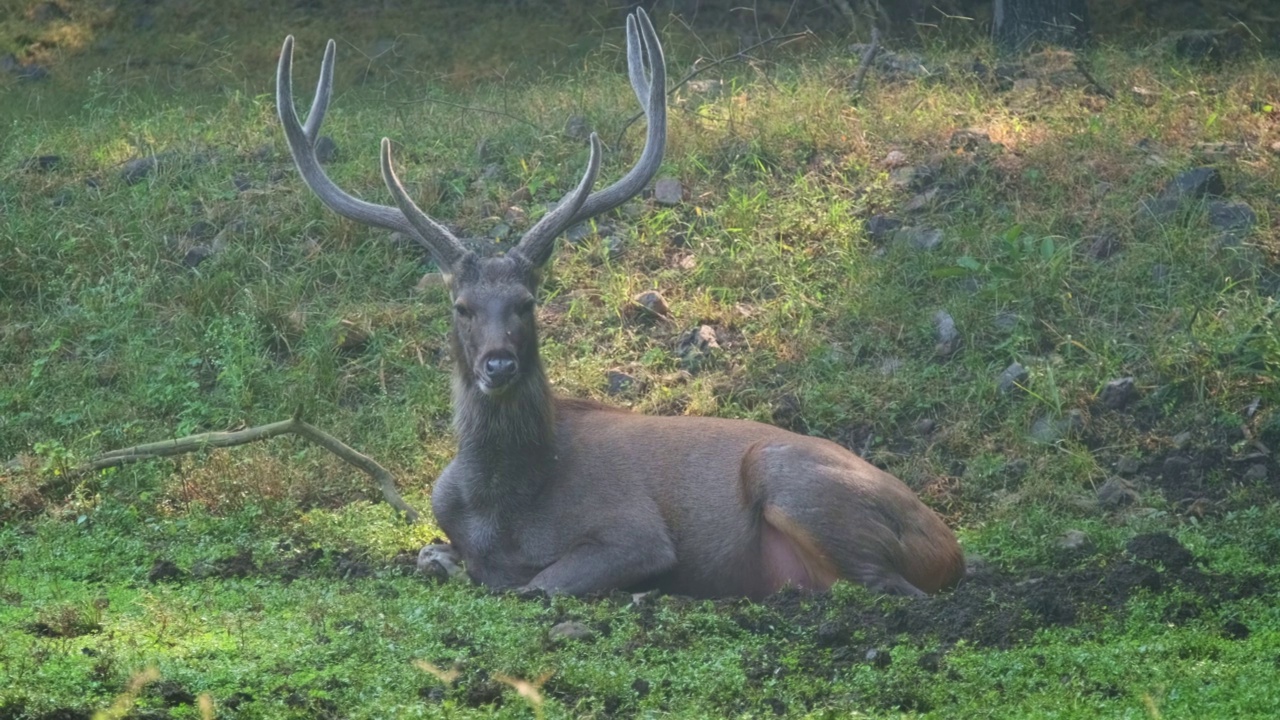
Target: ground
x=1040, y=290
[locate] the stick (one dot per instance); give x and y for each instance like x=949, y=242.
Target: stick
x=293, y=426
x=868, y=58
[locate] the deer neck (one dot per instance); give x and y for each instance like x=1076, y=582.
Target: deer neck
x=508, y=433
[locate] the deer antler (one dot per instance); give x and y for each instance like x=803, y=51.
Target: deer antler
x=647, y=71
x=443, y=246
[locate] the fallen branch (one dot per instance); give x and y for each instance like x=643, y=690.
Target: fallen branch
x=868, y=58
x=293, y=426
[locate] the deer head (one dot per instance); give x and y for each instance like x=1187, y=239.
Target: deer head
x=494, y=333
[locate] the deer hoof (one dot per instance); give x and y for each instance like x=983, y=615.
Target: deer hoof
x=439, y=562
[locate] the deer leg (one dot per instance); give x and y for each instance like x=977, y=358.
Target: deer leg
x=596, y=567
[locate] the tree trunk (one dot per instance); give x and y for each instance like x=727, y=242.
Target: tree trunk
x=1020, y=24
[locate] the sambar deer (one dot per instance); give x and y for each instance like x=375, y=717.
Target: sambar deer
x=571, y=496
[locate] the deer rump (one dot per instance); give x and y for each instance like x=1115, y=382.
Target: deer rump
x=571, y=496
x=706, y=507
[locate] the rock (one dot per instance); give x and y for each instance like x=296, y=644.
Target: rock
x=1219, y=151
x=428, y=281
x=439, y=561
x=619, y=382
x=652, y=303
x=895, y=158
x=139, y=169
x=1118, y=393
x=926, y=426
x=1209, y=45
x=1159, y=547
x=948, y=336
x=570, y=630
x=880, y=227
x=501, y=231
x=42, y=163
x=1013, y=378
x=1176, y=467
x=1236, y=218
x=1049, y=429
x=46, y=12
x=969, y=140
x=1006, y=321
x=1182, y=440
x=709, y=89
x=493, y=171
x=241, y=182
x=616, y=245
x=578, y=233
x=1128, y=465
x=577, y=127
x=1144, y=96
x=201, y=230
x=1102, y=246
x=893, y=66
x=1116, y=493
x=1257, y=473
x=1075, y=543
x=1185, y=187
x=515, y=216
x=326, y=150
x=891, y=365
x=196, y=255
x=922, y=201
x=1235, y=630
x=697, y=346
x=923, y=239
x=668, y=191
x=64, y=198
x=164, y=570
x=522, y=194
x=878, y=657
x=905, y=176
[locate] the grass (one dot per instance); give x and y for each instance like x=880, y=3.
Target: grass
x=291, y=597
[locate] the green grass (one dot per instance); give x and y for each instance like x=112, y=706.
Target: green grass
x=108, y=340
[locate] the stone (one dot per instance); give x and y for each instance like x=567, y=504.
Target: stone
x=1209, y=45
x=577, y=127
x=439, y=561
x=948, y=336
x=926, y=426
x=652, y=303
x=578, y=233
x=969, y=140
x=1257, y=473
x=502, y=230
x=880, y=227
x=139, y=169
x=1144, y=96
x=619, y=382
x=1006, y=321
x=1185, y=187
x=196, y=255
x=668, y=191
x=1116, y=493
x=1128, y=465
x=922, y=201
x=1118, y=393
x=1048, y=429
x=697, y=346
x=164, y=570
x=241, y=182
x=895, y=158
x=1075, y=542
x=1012, y=379
x=1102, y=246
x=515, y=216
x=1182, y=440
x=920, y=238
x=42, y=163
x=326, y=150
x=570, y=630
x=879, y=657
x=202, y=230
x=1231, y=217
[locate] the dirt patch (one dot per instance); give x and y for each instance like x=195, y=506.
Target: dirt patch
x=992, y=608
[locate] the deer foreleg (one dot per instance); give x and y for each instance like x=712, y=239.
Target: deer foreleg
x=596, y=567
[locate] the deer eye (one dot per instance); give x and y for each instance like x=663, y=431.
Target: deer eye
x=525, y=307
x=461, y=310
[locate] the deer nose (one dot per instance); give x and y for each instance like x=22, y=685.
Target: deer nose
x=501, y=367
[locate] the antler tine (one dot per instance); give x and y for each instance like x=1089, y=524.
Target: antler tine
x=442, y=245
x=644, y=52
x=537, y=244
x=422, y=223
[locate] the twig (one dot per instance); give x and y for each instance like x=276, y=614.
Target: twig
x=868, y=58
x=740, y=55
x=1084, y=70
x=293, y=426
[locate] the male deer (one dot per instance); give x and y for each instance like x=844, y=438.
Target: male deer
x=571, y=496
